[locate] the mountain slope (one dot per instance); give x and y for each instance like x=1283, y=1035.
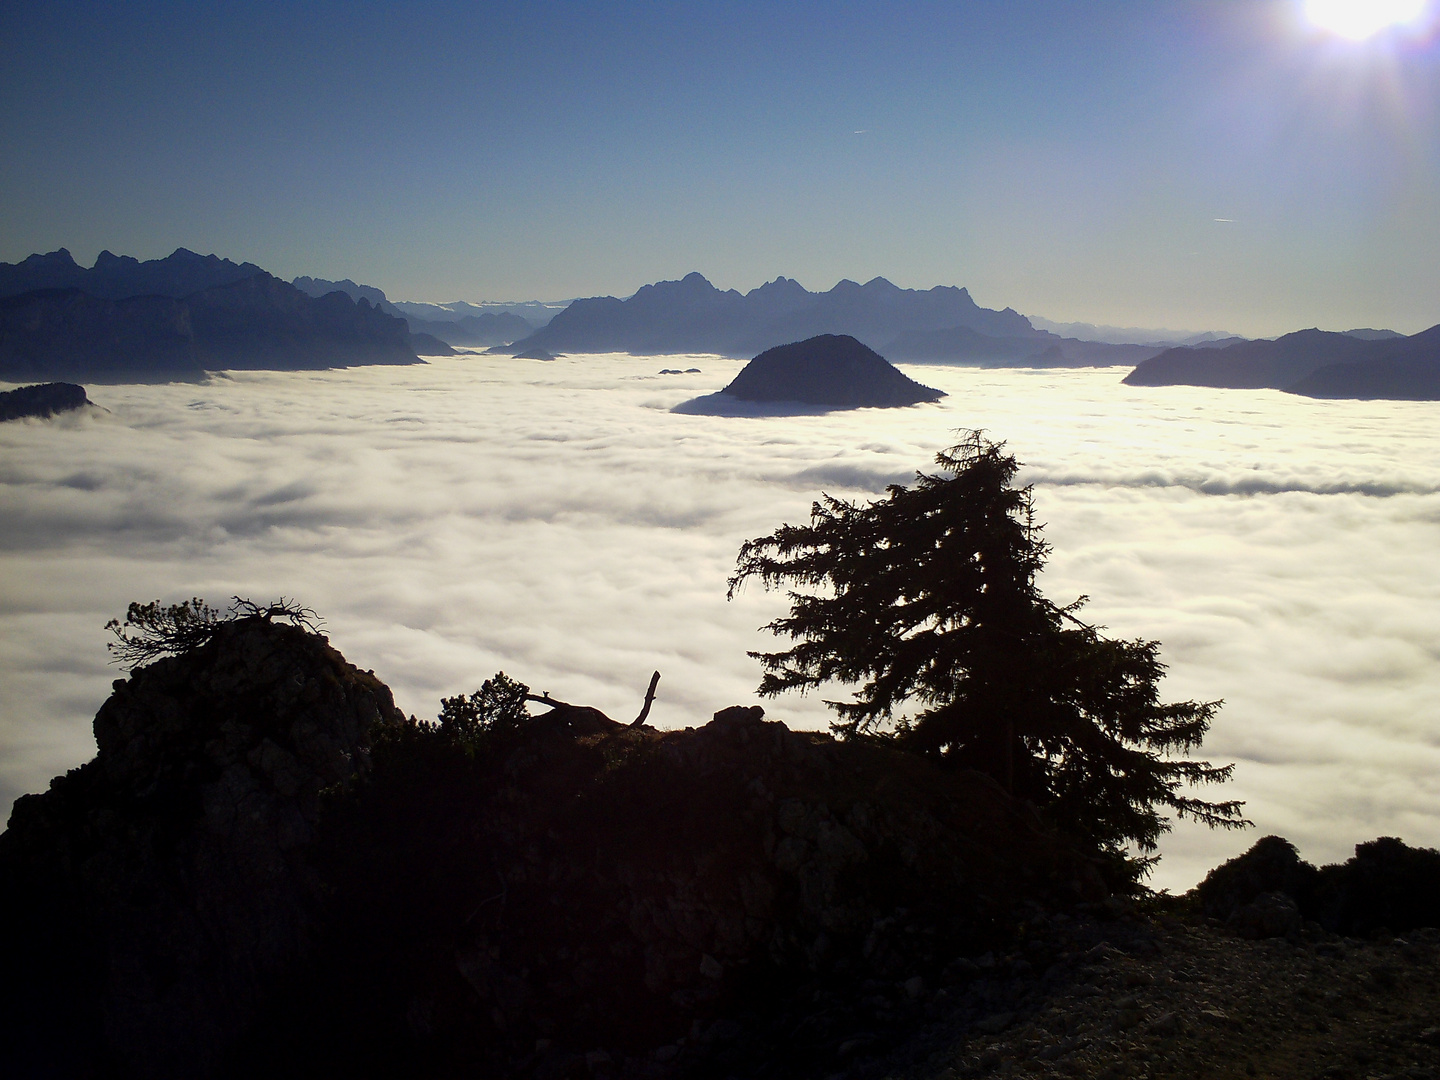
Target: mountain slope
x=123, y=320
x=1316, y=363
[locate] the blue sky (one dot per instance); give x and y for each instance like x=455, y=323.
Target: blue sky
x=1200, y=164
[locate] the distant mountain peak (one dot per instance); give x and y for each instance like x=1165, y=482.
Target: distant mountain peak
x=691, y=315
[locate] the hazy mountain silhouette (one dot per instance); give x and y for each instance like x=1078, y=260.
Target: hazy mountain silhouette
x=432, y=336
x=691, y=315
x=940, y=325
x=119, y=277
x=830, y=371
x=318, y=287
x=1358, y=364
x=488, y=328
x=962, y=345
x=1132, y=335
x=123, y=320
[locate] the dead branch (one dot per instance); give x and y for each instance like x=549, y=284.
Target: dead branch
x=649, y=700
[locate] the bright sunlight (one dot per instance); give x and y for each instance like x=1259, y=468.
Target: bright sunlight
x=1360, y=19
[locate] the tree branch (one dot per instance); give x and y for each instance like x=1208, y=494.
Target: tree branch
x=649, y=699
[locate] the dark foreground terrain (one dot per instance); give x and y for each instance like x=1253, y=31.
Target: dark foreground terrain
x=268, y=870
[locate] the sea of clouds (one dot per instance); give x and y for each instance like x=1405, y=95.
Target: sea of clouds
x=557, y=521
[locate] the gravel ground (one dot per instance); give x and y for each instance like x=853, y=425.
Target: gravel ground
x=1143, y=996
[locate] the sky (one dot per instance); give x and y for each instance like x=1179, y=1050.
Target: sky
x=1193, y=164
x=558, y=522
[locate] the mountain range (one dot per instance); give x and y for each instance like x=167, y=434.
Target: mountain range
x=451, y=324
x=939, y=325
x=1315, y=363
x=123, y=320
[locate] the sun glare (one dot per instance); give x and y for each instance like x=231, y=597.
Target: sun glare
x=1360, y=19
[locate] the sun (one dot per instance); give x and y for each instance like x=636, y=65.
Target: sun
x=1360, y=19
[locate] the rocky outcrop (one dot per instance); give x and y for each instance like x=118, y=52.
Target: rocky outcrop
x=152, y=897
x=266, y=870
x=43, y=401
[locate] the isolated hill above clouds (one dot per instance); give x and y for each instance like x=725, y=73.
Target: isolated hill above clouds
x=1316, y=363
x=825, y=372
x=176, y=318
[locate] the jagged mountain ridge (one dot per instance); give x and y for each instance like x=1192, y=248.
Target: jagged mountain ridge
x=1315, y=363
x=120, y=277
x=938, y=325
x=177, y=318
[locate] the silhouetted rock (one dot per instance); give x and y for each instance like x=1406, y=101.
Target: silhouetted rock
x=41, y=401
x=267, y=871
x=534, y=354
x=691, y=315
x=1359, y=364
x=829, y=371
x=164, y=886
x=176, y=318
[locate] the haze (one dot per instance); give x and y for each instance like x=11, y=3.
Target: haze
x=1196, y=164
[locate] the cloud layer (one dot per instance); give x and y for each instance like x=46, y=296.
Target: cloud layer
x=555, y=520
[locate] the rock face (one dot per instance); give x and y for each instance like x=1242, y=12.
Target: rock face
x=830, y=370
x=266, y=870
x=42, y=401
x=151, y=896
x=1359, y=364
x=175, y=318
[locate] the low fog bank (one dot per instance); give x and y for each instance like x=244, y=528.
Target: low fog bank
x=557, y=521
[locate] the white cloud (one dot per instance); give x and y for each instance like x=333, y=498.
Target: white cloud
x=557, y=521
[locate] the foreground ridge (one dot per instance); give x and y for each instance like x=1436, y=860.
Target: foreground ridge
x=268, y=870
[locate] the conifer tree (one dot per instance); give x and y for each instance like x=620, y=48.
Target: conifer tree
x=927, y=600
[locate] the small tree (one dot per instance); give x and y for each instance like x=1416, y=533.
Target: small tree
x=497, y=708
x=929, y=597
